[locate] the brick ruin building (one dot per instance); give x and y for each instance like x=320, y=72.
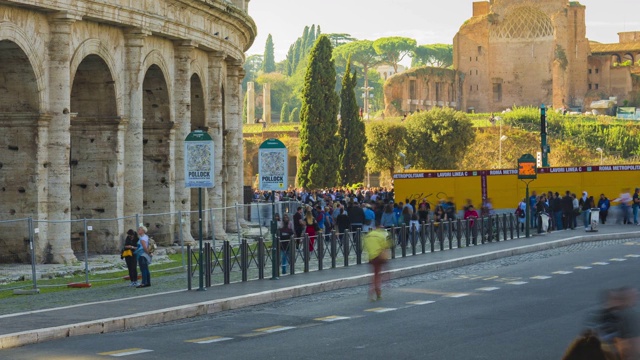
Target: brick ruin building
x=523, y=53
x=96, y=98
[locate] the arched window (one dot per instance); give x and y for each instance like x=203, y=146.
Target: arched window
x=615, y=59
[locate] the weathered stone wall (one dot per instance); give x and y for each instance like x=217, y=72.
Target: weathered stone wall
x=96, y=98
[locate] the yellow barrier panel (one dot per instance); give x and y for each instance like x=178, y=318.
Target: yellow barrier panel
x=505, y=190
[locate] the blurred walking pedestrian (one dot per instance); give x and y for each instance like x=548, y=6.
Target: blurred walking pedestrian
x=376, y=244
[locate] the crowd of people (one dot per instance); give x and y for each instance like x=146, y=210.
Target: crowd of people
x=553, y=211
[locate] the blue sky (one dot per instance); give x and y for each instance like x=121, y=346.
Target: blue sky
x=372, y=19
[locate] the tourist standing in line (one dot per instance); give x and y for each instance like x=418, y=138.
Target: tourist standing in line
x=130, y=244
x=144, y=259
x=285, y=228
x=603, y=204
x=567, y=209
x=635, y=204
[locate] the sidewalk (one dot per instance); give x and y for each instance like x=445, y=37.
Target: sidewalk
x=108, y=316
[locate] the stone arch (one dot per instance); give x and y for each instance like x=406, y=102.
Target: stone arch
x=96, y=47
x=628, y=57
x=158, y=164
x=198, y=121
x=13, y=33
x=96, y=153
x=615, y=59
x=20, y=143
x=155, y=57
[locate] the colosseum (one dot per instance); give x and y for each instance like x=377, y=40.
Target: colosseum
x=96, y=99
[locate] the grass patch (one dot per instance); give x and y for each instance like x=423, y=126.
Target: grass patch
x=57, y=284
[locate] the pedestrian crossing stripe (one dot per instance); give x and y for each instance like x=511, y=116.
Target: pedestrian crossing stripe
x=209, y=340
x=381, y=310
x=600, y=263
x=332, y=318
x=491, y=288
x=632, y=256
x=541, y=277
x=583, y=267
x=457, y=295
x=273, y=329
x=420, y=302
x=125, y=352
x=563, y=272
x=617, y=259
x=517, y=283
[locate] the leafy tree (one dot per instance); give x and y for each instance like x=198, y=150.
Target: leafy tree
x=284, y=113
x=280, y=89
x=436, y=55
x=438, y=139
x=294, y=116
x=269, y=63
x=362, y=53
x=340, y=39
x=251, y=66
x=394, y=49
x=387, y=142
x=351, y=131
x=318, y=118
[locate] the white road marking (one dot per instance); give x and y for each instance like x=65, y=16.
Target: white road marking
x=420, y=302
x=488, y=289
x=541, y=277
x=457, y=295
x=563, y=272
x=381, y=310
x=617, y=259
x=209, y=340
x=125, y=352
x=517, y=283
x=632, y=256
x=274, y=329
x=333, y=318
x=601, y=263
x=583, y=267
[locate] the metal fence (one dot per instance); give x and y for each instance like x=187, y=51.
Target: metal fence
x=265, y=258
x=96, y=243
x=240, y=257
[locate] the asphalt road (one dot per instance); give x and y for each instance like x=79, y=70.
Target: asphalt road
x=524, y=307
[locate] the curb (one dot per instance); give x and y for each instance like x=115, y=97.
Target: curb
x=103, y=326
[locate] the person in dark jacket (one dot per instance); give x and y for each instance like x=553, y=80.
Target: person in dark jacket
x=604, y=204
x=130, y=244
x=567, y=209
x=557, y=211
x=356, y=216
x=343, y=223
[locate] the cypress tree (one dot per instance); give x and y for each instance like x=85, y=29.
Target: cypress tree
x=305, y=42
x=284, y=112
x=294, y=116
x=318, y=119
x=269, y=62
x=289, y=61
x=352, y=132
x=296, y=55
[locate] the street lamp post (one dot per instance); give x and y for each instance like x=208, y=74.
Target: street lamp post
x=600, y=151
x=366, y=89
